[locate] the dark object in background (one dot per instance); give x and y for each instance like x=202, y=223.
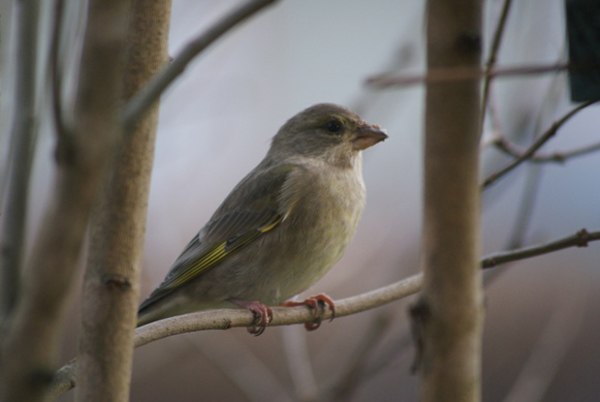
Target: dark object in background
x=583, y=32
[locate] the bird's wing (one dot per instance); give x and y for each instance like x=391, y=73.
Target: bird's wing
x=256, y=206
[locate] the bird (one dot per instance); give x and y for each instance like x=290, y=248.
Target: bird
x=283, y=226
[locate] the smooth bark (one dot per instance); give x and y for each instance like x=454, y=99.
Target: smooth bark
x=30, y=349
x=447, y=317
x=111, y=283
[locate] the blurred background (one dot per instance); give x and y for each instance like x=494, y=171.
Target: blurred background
x=215, y=125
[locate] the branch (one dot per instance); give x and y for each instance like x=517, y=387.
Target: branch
x=141, y=102
x=511, y=149
x=579, y=239
x=457, y=74
x=31, y=346
x=117, y=228
x=491, y=62
x=542, y=139
x=228, y=318
x=448, y=315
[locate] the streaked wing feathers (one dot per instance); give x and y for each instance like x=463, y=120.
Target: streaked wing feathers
x=230, y=229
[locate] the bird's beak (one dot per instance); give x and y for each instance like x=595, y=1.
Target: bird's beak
x=367, y=136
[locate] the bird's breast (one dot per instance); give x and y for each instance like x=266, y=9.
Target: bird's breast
x=321, y=224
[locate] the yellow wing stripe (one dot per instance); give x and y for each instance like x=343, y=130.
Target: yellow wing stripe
x=209, y=259
x=218, y=253
x=271, y=226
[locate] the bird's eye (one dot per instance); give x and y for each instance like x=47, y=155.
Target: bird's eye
x=334, y=126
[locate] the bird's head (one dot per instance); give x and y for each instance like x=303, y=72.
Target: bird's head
x=328, y=132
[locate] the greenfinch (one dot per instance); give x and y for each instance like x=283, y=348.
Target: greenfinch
x=281, y=228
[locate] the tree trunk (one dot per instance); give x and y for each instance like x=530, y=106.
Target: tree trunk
x=111, y=283
x=447, y=318
x=30, y=349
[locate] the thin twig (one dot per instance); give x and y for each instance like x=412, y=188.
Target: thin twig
x=491, y=62
x=532, y=181
x=511, y=149
x=579, y=239
x=530, y=189
x=542, y=139
x=522, y=220
x=229, y=318
x=141, y=102
x=454, y=74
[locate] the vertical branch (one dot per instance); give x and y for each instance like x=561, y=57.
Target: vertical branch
x=491, y=61
x=111, y=283
x=30, y=348
x=447, y=318
x=22, y=141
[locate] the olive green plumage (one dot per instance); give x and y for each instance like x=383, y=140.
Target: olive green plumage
x=283, y=226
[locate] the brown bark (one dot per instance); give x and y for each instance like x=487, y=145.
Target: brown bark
x=31, y=345
x=447, y=318
x=111, y=284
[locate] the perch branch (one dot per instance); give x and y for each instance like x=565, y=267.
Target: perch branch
x=228, y=318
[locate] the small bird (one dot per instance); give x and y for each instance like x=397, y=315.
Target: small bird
x=281, y=228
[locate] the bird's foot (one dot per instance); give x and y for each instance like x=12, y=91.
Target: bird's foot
x=317, y=304
x=262, y=315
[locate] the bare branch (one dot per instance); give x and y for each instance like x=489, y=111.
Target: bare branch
x=511, y=149
x=536, y=145
x=31, y=345
x=457, y=74
x=579, y=239
x=111, y=289
x=491, y=62
x=229, y=318
x=448, y=314
x=64, y=379
x=142, y=101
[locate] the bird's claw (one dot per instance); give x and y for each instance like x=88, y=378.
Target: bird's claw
x=317, y=305
x=263, y=315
